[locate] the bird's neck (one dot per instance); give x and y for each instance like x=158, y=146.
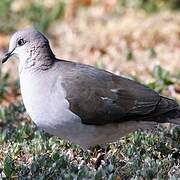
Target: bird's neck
x=38, y=58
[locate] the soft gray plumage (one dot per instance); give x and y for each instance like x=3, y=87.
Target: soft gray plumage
x=81, y=103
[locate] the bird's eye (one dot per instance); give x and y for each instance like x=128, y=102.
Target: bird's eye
x=21, y=42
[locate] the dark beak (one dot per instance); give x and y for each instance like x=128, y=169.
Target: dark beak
x=6, y=57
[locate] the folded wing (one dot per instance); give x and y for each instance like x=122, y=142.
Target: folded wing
x=99, y=97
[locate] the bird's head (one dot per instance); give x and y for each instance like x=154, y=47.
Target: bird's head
x=28, y=45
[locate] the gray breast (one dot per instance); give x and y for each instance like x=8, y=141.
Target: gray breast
x=45, y=102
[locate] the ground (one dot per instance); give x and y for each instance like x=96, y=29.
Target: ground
x=130, y=42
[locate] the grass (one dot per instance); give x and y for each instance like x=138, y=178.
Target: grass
x=161, y=80
x=3, y=85
x=151, y=6
x=40, y=16
x=36, y=13
x=29, y=153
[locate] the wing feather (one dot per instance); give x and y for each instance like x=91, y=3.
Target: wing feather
x=100, y=97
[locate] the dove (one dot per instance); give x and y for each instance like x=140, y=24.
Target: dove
x=81, y=103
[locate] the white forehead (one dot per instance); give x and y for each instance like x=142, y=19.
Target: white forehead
x=29, y=34
x=25, y=33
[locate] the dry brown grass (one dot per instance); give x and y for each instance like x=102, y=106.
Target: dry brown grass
x=129, y=43
x=106, y=40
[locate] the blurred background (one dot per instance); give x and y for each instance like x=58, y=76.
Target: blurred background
x=139, y=39
x=130, y=37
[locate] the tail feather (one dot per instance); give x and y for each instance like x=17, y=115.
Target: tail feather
x=174, y=121
x=168, y=110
